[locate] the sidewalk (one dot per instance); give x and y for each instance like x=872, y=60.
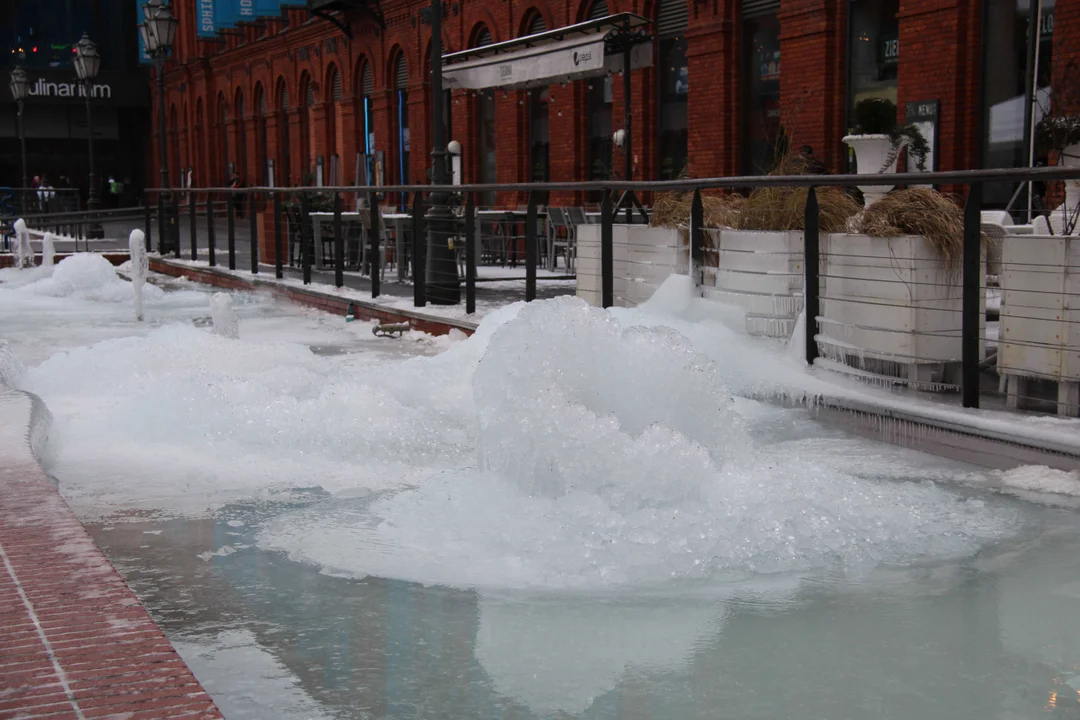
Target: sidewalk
x=74, y=640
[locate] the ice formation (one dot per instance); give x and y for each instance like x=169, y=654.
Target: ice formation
x=140, y=268
x=88, y=276
x=224, y=317
x=48, y=250
x=23, y=253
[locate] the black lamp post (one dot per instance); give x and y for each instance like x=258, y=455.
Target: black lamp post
x=87, y=64
x=20, y=87
x=158, y=33
x=441, y=278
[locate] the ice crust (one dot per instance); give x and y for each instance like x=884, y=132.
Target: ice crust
x=561, y=447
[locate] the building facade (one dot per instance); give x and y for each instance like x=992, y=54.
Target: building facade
x=55, y=110
x=295, y=96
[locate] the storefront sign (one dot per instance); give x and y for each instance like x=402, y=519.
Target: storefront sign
x=59, y=86
x=889, y=50
x=207, y=27
x=924, y=115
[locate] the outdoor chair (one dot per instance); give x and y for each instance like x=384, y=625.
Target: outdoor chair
x=561, y=236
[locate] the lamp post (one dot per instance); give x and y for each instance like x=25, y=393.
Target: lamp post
x=158, y=32
x=87, y=64
x=20, y=86
x=441, y=278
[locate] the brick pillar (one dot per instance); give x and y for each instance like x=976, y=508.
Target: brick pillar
x=568, y=131
x=272, y=146
x=714, y=101
x=419, y=135
x=232, y=128
x=317, y=131
x=813, y=82
x=940, y=60
x=511, y=157
x=349, y=140
x=252, y=172
x=384, y=127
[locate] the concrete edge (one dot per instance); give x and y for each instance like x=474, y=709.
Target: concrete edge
x=328, y=302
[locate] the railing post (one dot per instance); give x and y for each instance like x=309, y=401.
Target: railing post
x=253, y=225
x=305, y=238
x=193, y=231
x=211, y=238
x=163, y=234
x=279, y=250
x=811, y=269
x=972, y=285
x=697, y=236
x=470, y=253
x=374, y=260
x=339, y=245
x=176, y=223
x=231, y=222
x=530, y=249
x=607, y=254
x=419, y=252
x=146, y=220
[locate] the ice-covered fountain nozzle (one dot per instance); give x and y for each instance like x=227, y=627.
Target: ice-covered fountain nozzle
x=140, y=267
x=24, y=255
x=48, y=250
x=223, y=315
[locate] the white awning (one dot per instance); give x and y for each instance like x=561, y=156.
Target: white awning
x=546, y=60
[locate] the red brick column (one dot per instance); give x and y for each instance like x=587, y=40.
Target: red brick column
x=813, y=81
x=714, y=100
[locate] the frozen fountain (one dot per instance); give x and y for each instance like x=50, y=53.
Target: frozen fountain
x=223, y=315
x=140, y=266
x=24, y=254
x=48, y=250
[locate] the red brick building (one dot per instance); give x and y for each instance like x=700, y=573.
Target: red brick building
x=725, y=76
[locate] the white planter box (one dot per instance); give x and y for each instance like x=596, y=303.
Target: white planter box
x=889, y=307
x=1040, y=313
x=762, y=273
x=643, y=257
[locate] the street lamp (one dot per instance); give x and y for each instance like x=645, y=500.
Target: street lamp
x=158, y=33
x=87, y=64
x=20, y=87
x=441, y=278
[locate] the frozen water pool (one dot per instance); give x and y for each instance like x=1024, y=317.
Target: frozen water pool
x=572, y=514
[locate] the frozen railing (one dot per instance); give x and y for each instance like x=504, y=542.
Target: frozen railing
x=875, y=307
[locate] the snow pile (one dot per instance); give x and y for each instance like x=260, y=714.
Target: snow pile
x=611, y=456
x=1039, y=478
x=87, y=276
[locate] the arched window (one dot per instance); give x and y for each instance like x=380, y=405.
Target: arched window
x=401, y=95
x=261, y=140
x=241, y=136
x=536, y=24
x=282, y=174
x=672, y=19
x=485, y=127
x=334, y=87
x=223, y=138
x=597, y=10
x=365, y=127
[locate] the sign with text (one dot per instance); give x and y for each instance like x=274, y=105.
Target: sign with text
x=923, y=114
x=207, y=19
x=59, y=86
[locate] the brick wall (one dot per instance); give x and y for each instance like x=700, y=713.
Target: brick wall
x=940, y=59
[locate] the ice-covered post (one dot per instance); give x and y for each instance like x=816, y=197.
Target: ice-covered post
x=140, y=266
x=48, y=250
x=223, y=316
x=24, y=255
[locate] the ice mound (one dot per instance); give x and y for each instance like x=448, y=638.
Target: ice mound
x=88, y=276
x=1040, y=478
x=225, y=322
x=611, y=457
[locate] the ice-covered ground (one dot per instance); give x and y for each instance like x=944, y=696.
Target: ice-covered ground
x=562, y=447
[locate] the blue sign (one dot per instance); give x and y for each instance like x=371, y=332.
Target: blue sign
x=226, y=13
x=207, y=27
x=245, y=11
x=267, y=7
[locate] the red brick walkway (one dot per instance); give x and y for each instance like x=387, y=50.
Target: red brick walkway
x=74, y=640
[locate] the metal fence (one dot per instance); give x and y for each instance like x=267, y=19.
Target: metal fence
x=882, y=309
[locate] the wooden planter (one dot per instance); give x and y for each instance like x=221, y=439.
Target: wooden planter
x=1039, y=335
x=760, y=272
x=643, y=258
x=890, y=310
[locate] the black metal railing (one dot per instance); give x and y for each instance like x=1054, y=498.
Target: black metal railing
x=357, y=245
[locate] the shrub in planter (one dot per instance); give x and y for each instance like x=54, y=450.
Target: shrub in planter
x=1061, y=134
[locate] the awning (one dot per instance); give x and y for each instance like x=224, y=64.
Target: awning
x=572, y=53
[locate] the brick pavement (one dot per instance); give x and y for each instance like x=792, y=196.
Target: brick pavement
x=74, y=641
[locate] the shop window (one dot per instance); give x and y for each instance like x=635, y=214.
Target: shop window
x=673, y=84
x=761, y=92
x=873, y=54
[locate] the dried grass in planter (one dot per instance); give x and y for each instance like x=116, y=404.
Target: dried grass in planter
x=672, y=209
x=779, y=209
x=919, y=211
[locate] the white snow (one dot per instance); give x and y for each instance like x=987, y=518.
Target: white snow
x=224, y=317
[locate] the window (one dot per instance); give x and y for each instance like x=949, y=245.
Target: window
x=599, y=105
x=873, y=54
x=761, y=91
x=673, y=84
x=485, y=130
x=401, y=82
x=1004, y=70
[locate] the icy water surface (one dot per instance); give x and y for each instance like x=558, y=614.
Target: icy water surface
x=574, y=513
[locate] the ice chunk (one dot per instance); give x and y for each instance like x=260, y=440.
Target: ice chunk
x=140, y=268
x=224, y=317
x=48, y=250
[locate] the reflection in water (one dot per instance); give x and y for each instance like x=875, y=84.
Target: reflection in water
x=994, y=637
